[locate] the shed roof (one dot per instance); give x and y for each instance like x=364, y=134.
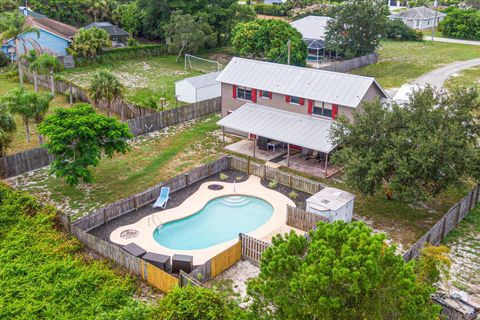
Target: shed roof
x=110, y=28
x=327, y=86
x=312, y=27
x=202, y=81
x=417, y=13
x=331, y=198
x=293, y=128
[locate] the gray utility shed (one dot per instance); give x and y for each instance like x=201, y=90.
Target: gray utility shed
x=333, y=204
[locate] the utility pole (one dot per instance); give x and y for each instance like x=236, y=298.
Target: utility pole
x=289, y=45
x=435, y=21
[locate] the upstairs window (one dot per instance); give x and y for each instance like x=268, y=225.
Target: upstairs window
x=322, y=109
x=266, y=94
x=244, y=93
x=295, y=100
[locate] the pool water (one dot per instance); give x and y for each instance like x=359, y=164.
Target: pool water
x=222, y=219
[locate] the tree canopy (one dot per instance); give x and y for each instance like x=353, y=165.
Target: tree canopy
x=415, y=150
x=343, y=271
x=105, y=86
x=7, y=128
x=357, y=27
x=88, y=42
x=268, y=39
x=461, y=24
x=78, y=138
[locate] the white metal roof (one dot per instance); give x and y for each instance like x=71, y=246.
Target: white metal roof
x=304, y=131
x=331, y=198
x=202, y=81
x=327, y=86
x=312, y=27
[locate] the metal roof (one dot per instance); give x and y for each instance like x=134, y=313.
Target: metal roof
x=110, y=28
x=331, y=198
x=293, y=128
x=312, y=27
x=202, y=81
x=326, y=86
x=418, y=13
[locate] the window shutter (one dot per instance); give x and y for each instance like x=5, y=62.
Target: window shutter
x=234, y=92
x=260, y=93
x=287, y=99
x=270, y=95
x=254, y=95
x=334, y=111
x=301, y=101
x=310, y=106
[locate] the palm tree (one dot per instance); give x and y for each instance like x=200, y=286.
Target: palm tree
x=105, y=86
x=31, y=58
x=13, y=26
x=7, y=127
x=46, y=63
x=20, y=102
x=40, y=105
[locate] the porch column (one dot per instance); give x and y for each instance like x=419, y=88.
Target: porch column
x=223, y=137
x=326, y=164
x=288, y=155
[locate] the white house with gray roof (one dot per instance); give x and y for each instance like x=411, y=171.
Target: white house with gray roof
x=420, y=18
x=277, y=104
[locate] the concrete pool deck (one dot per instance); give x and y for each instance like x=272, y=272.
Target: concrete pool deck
x=144, y=228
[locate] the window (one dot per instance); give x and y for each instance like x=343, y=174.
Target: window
x=244, y=93
x=295, y=100
x=322, y=109
x=265, y=94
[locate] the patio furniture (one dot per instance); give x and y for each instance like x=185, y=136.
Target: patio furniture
x=314, y=155
x=163, y=198
x=158, y=260
x=306, y=153
x=182, y=262
x=135, y=250
x=273, y=144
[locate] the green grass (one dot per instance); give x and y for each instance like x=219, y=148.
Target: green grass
x=45, y=274
x=469, y=77
x=152, y=78
x=401, y=62
x=469, y=225
x=151, y=160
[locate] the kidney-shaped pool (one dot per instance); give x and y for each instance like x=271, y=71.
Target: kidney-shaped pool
x=221, y=220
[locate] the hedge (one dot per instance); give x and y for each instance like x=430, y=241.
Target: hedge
x=271, y=9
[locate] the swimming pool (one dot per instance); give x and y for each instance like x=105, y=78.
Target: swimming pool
x=222, y=219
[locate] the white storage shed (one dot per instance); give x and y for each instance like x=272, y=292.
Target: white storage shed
x=332, y=203
x=198, y=88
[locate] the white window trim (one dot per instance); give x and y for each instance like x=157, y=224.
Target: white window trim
x=245, y=88
x=267, y=97
x=294, y=103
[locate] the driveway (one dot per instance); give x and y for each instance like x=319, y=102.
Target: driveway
x=438, y=77
x=449, y=40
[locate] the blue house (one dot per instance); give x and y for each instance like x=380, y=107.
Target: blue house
x=54, y=37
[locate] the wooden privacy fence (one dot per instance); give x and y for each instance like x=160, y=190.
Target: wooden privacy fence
x=226, y=259
x=446, y=224
x=252, y=248
x=285, y=178
x=22, y=162
x=352, y=64
x=159, y=278
x=303, y=220
x=146, y=197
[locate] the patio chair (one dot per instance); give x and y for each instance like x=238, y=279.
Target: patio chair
x=314, y=155
x=163, y=198
x=306, y=153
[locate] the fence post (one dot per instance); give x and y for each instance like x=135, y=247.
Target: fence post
x=69, y=223
x=135, y=201
x=186, y=179
x=248, y=165
x=444, y=226
x=105, y=220
x=290, y=180
x=457, y=217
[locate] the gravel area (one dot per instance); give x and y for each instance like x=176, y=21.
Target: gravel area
x=301, y=196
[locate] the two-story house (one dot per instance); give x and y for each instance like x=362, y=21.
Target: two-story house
x=276, y=104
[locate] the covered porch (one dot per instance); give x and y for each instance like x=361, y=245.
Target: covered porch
x=288, y=139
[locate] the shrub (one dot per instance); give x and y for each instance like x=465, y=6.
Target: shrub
x=132, y=42
x=271, y=9
x=293, y=195
x=461, y=24
x=397, y=30
x=126, y=53
x=3, y=59
x=273, y=184
x=223, y=176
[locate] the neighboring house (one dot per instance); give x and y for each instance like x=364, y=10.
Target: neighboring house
x=118, y=36
x=198, y=88
x=291, y=105
x=274, y=1
x=420, y=18
x=54, y=37
x=313, y=29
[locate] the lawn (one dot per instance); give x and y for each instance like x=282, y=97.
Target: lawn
x=45, y=274
x=146, y=80
x=469, y=77
x=401, y=62
x=154, y=158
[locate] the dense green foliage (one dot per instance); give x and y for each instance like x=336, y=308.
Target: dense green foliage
x=4, y=59
x=412, y=151
x=343, y=272
x=268, y=39
x=73, y=12
x=126, y=53
x=7, y=128
x=45, y=275
x=461, y=24
x=271, y=9
x=397, y=30
x=194, y=303
x=105, y=86
x=357, y=28
x=88, y=42
x=78, y=138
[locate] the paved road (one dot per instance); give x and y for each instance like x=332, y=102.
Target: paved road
x=449, y=40
x=438, y=77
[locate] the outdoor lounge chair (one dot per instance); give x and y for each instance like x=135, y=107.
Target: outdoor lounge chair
x=163, y=198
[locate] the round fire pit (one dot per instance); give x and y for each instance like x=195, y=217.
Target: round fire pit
x=129, y=234
x=215, y=187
